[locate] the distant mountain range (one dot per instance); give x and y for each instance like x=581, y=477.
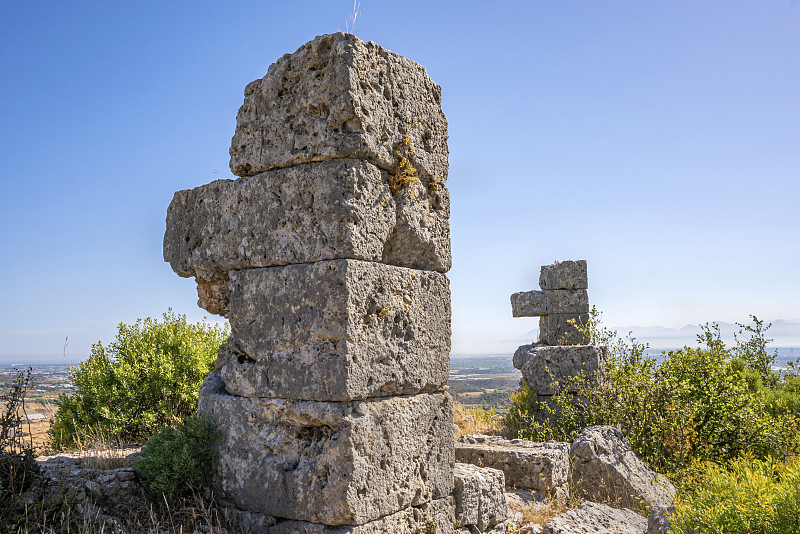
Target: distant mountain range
x=782, y=332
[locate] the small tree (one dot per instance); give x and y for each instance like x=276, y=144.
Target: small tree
x=148, y=377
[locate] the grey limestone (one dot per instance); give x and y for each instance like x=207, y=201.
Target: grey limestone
x=562, y=329
x=435, y=517
x=568, y=274
x=333, y=463
x=605, y=469
x=542, y=467
x=550, y=369
x=594, y=518
x=535, y=303
x=659, y=521
x=339, y=97
x=336, y=330
x=479, y=496
x=341, y=208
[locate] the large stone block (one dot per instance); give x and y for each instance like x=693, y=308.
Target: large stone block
x=548, y=369
x=562, y=329
x=339, y=97
x=564, y=275
x=542, y=467
x=337, y=330
x=332, y=463
x=436, y=516
x=480, y=496
x=605, y=469
x=594, y=518
x=534, y=303
x=341, y=208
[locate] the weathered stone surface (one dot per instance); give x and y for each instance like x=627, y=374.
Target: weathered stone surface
x=526, y=464
x=336, y=330
x=555, y=329
x=605, y=469
x=438, y=515
x=659, y=519
x=341, y=208
x=480, y=496
x=564, y=275
x=534, y=303
x=339, y=97
x=331, y=462
x=593, y=518
x=247, y=522
x=548, y=369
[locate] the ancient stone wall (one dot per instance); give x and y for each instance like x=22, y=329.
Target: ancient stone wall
x=328, y=257
x=561, y=352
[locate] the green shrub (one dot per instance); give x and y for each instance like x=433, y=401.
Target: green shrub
x=148, y=377
x=703, y=403
x=178, y=461
x=750, y=495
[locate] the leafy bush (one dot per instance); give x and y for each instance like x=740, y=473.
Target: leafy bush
x=703, y=403
x=751, y=495
x=148, y=377
x=178, y=461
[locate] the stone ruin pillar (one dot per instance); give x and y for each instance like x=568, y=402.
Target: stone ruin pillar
x=328, y=257
x=562, y=351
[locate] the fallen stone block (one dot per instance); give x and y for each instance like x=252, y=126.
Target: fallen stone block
x=339, y=97
x=479, y=496
x=605, y=469
x=556, y=329
x=436, y=517
x=542, y=467
x=549, y=369
x=535, y=303
x=564, y=275
x=332, y=463
x=340, y=208
x=336, y=330
x=593, y=518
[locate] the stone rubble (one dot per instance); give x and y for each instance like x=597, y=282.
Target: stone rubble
x=480, y=497
x=540, y=467
x=95, y=477
x=328, y=256
x=605, y=469
x=594, y=518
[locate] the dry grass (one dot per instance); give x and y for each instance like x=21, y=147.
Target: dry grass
x=476, y=421
x=60, y=516
x=534, y=510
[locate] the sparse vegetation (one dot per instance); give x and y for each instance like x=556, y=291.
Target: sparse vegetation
x=471, y=420
x=19, y=472
x=701, y=403
x=708, y=416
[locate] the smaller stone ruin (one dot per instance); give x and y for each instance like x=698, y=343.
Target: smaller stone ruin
x=561, y=352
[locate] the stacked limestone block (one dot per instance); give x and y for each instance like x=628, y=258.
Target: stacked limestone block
x=562, y=351
x=328, y=257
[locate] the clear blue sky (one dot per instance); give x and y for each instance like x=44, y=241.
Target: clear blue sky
x=658, y=140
